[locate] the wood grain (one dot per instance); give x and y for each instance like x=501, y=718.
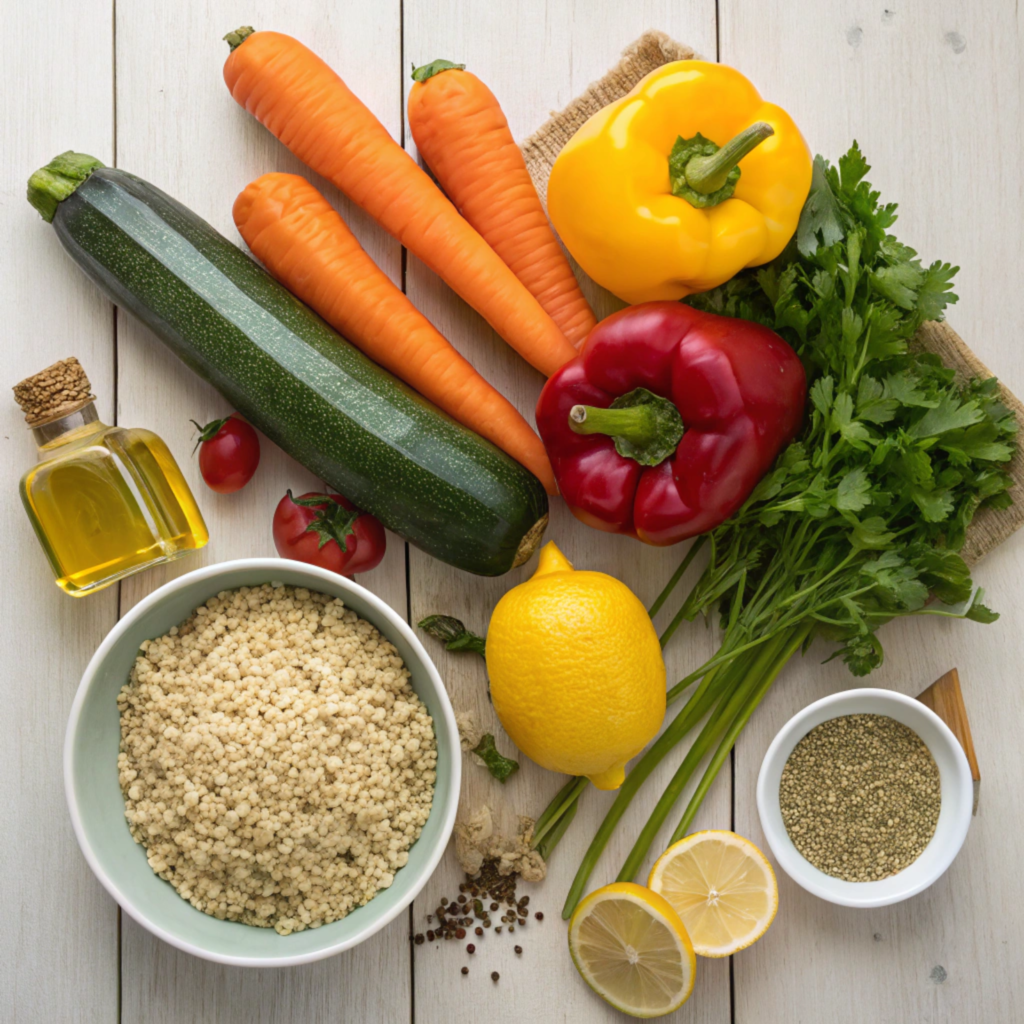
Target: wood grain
x=58, y=949
x=920, y=86
x=179, y=128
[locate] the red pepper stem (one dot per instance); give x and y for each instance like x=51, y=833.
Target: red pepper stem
x=706, y=174
x=637, y=424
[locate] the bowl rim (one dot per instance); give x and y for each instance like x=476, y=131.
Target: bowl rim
x=796, y=866
x=373, y=925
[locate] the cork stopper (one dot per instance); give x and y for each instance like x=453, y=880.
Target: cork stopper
x=57, y=391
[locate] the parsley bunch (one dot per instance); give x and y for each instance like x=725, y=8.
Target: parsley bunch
x=862, y=518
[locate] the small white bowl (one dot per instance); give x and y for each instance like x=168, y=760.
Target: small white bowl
x=954, y=817
x=97, y=805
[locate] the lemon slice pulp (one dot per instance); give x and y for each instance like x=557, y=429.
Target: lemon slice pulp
x=722, y=887
x=632, y=950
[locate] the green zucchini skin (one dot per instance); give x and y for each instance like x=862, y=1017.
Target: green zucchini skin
x=353, y=424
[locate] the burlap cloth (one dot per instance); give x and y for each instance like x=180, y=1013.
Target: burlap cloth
x=650, y=51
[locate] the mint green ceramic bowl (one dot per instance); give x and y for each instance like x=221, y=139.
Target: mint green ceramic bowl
x=97, y=807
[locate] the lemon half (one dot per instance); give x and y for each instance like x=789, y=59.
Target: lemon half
x=632, y=950
x=722, y=887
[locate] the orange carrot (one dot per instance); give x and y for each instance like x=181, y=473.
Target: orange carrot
x=460, y=130
x=303, y=242
x=290, y=90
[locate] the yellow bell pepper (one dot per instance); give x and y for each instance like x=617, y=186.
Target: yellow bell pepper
x=680, y=184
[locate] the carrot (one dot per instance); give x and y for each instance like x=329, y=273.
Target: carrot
x=291, y=91
x=460, y=130
x=302, y=241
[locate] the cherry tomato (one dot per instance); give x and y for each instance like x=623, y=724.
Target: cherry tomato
x=229, y=452
x=329, y=531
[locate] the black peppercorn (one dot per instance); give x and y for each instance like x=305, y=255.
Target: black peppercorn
x=465, y=970
x=539, y=916
x=495, y=975
x=471, y=949
x=519, y=950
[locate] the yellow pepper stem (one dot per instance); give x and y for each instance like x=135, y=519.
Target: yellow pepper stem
x=707, y=174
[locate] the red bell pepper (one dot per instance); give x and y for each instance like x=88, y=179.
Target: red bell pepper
x=668, y=417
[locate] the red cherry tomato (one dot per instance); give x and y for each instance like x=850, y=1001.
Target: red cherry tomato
x=329, y=531
x=229, y=452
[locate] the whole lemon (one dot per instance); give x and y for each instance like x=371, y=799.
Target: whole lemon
x=576, y=672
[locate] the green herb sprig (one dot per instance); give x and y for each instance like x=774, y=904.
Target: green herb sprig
x=452, y=633
x=862, y=518
x=497, y=764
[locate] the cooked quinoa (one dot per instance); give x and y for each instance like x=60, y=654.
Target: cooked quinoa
x=275, y=762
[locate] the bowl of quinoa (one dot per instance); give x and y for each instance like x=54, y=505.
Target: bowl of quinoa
x=262, y=765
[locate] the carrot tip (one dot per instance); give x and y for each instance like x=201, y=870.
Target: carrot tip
x=435, y=67
x=239, y=36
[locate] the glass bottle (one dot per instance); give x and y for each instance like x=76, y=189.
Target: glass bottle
x=105, y=502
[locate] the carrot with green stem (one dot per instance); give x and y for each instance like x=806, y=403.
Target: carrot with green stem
x=299, y=237
x=461, y=132
x=291, y=91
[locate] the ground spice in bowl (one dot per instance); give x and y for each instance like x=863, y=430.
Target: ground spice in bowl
x=860, y=797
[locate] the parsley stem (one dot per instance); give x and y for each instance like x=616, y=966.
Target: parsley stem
x=677, y=576
x=741, y=719
x=698, y=705
x=564, y=800
x=744, y=684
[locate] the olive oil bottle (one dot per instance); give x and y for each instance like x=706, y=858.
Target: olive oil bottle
x=105, y=502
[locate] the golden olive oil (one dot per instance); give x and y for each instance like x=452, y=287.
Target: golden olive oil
x=104, y=501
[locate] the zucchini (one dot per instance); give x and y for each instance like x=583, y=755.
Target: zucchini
x=353, y=424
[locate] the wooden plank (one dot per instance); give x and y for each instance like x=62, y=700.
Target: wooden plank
x=536, y=57
x=58, y=953
x=926, y=89
x=179, y=128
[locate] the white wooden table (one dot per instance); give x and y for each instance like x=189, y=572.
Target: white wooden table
x=932, y=89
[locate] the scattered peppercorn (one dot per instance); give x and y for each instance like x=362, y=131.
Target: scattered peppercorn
x=539, y=916
x=495, y=975
x=487, y=893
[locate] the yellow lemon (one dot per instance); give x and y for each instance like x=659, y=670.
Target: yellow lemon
x=632, y=950
x=723, y=888
x=576, y=672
